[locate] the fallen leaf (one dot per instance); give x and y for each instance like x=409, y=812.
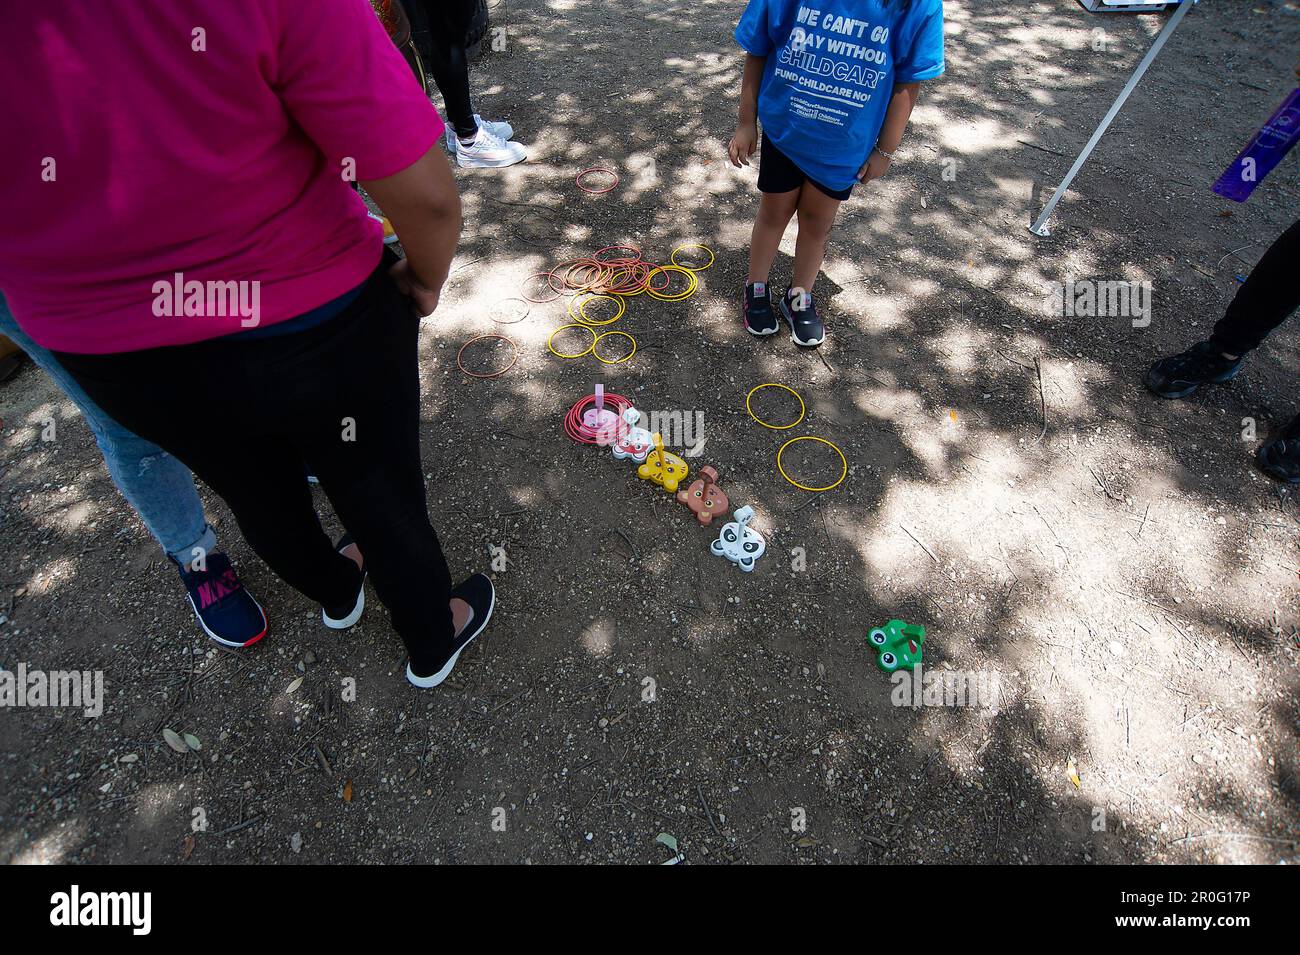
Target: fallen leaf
x=294, y=685
x=1073, y=774
x=192, y=741
x=347, y=791
x=174, y=741
x=807, y=842
x=187, y=848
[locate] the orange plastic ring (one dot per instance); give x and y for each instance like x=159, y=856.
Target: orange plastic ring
x=495, y=374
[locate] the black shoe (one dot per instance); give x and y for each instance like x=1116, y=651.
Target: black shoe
x=1179, y=375
x=226, y=611
x=759, y=318
x=801, y=312
x=478, y=592
x=345, y=615
x=1280, y=458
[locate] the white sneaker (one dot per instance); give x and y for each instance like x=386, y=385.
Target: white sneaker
x=489, y=151
x=503, y=130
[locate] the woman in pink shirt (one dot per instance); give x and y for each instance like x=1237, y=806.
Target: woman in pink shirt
x=192, y=252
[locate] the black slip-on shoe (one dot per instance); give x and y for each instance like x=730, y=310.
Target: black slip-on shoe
x=479, y=593
x=342, y=616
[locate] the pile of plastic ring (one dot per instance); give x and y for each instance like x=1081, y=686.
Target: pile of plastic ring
x=576, y=427
x=600, y=284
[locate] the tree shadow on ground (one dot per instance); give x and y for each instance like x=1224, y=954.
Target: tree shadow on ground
x=1010, y=485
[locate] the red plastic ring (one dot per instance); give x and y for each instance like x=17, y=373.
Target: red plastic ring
x=597, y=169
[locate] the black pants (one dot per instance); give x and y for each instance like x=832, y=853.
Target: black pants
x=1270, y=293
x=345, y=396
x=439, y=28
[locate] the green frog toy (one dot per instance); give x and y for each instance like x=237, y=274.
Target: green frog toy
x=897, y=645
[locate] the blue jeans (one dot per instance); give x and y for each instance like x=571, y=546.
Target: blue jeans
x=158, y=486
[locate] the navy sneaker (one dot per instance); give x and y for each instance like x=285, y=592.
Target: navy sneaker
x=1179, y=375
x=800, y=311
x=1280, y=458
x=226, y=611
x=344, y=615
x=479, y=593
x=760, y=319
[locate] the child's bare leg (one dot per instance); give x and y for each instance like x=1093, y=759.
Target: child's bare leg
x=816, y=216
x=774, y=212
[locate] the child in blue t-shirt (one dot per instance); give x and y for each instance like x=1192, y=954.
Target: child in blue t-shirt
x=834, y=83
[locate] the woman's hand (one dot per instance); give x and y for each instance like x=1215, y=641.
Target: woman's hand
x=877, y=165
x=743, y=144
x=423, y=299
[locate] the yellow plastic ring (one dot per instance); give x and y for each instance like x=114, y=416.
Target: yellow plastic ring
x=691, y=268
x=692, y=284
x=589, y=348
x=803, y=487
x=803, y=409
x=616, y=361
x=584, y=298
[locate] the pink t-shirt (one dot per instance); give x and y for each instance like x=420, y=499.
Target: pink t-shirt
x=162, y=159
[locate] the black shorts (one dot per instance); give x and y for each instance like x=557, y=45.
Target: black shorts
x=778, y=173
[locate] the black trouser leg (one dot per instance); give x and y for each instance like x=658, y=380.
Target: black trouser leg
x=343, y=395
x=1270, y=293
x=375, y=479
x=448, y=23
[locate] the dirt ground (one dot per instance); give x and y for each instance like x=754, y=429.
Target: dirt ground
x=1127, y=574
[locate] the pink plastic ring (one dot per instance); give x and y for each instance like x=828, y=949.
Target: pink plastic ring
x=523, y=289
x=619, y=261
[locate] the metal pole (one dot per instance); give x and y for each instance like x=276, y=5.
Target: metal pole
x=1040, y=225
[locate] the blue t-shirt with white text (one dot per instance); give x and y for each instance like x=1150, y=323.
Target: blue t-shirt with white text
x=830, y=73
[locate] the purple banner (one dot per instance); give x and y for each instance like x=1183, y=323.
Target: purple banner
x=1265, y=150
